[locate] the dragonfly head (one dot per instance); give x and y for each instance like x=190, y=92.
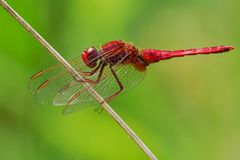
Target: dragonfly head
x=89, y=57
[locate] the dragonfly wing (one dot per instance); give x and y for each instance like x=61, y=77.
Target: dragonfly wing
x=75, y=96
x=73, y=90
x=130, y=77
x=56, y=86
x=127, y=74
x=47, y=83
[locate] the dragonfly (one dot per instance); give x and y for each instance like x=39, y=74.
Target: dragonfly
x=111, y=70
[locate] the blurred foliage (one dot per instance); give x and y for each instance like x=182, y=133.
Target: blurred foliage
x=186, y=108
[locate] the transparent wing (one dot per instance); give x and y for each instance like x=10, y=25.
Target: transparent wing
x=127, y=75
x=56, y=86
x=47, y=83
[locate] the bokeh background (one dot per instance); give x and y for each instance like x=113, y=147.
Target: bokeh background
x=186, y=108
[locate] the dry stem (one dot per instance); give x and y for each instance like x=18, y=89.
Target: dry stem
x=74, y=73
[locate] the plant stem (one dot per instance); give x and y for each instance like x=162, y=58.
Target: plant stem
x=77, y=76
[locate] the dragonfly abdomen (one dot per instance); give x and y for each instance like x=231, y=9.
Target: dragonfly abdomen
x=152, y=55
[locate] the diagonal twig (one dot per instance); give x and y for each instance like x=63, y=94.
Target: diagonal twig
x=77, y=76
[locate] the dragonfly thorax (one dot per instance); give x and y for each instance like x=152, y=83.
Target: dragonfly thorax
x=120, y=58
x=123, y=53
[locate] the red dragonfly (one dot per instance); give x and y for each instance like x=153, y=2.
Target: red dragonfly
x=116, y=67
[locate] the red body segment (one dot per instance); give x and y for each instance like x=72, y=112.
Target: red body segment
x=112, y=46
x=120, y=52
x=152, y=55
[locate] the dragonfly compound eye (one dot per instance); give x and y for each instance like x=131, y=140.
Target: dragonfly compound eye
x=89, y=57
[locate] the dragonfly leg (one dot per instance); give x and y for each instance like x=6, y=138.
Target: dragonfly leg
x=98, y=78
x=90, y=73
x=108, y=99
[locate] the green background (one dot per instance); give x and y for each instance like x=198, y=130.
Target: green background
x=186, y=108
